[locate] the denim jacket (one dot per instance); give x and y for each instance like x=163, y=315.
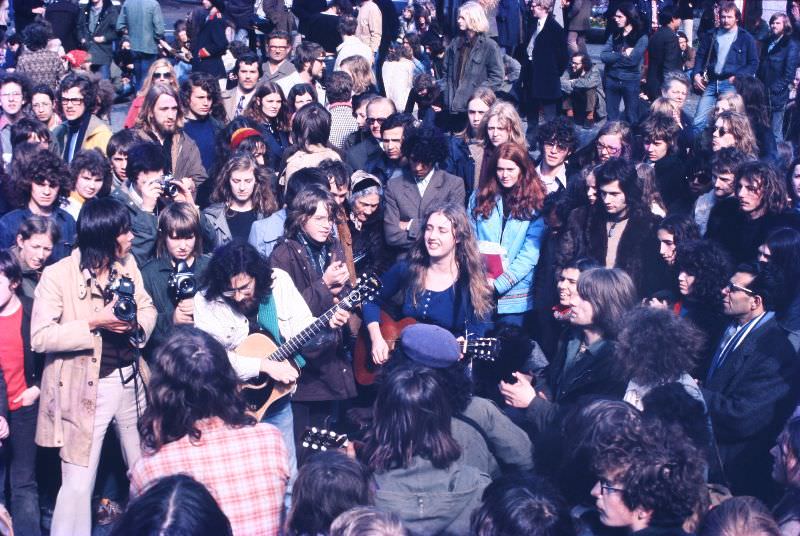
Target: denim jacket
x=742, y=59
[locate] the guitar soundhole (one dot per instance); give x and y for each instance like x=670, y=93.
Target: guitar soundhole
x=256, y=391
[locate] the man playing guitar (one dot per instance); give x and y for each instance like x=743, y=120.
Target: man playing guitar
x=243, y=295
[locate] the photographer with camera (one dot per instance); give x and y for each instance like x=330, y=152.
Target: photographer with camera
x=91, y=315
x=146, y=192
x=171, y=278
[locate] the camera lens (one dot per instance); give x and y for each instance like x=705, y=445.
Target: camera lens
x=171, y=189
x=125, y=309
x=186, y=286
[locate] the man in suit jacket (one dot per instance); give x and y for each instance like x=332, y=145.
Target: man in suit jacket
x=248, y=71
x=544, y=58
x=750, y=386
x=422, y=188
x=663, y=51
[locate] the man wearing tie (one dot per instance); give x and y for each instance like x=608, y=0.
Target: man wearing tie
x=750, y=386
x=248, y=71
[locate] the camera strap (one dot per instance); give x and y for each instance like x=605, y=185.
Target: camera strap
x=135, y=376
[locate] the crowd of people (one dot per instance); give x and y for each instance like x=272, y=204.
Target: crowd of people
x=356, y=270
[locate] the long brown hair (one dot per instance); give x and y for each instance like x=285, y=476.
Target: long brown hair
x=263, y=199
x=470, y=265
x=255, y=111
x=146, y=119
x=524, y=198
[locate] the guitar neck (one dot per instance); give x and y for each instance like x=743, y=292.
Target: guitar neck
x=293, y=345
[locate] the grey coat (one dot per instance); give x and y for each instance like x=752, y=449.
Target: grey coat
x=102, y=53
x=483, y=67
x=215, y=214
x=577, y=18
x=264, y=234
x=403, y=203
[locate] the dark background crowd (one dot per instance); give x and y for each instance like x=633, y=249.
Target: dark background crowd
x=489, y=267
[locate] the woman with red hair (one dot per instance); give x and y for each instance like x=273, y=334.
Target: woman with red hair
x=509, y=227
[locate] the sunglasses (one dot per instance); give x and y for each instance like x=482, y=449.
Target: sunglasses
x=162, y=76
x=379, y=120
x=734, y=287
x=721, y=131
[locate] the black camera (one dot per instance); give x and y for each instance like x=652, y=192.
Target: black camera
x=169, y=186
x=125, y=307
x=182, y=283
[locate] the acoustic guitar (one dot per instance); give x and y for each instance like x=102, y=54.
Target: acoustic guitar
x=261, y=392
x=365, y=369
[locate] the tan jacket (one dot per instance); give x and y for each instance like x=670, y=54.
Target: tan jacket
x=59, y=327
x=370, y=25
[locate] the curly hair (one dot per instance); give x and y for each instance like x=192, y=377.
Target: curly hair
x=560, y=131
x=659, y=470
x=518, y=504
x=654, y=346
x=87, y=87
x=44, y=166
x=36, y=35
x=93, y=161
x=468, y=260
x=767, y=180
x=710, y=264
x=263, y=199
x=209, y=84
x=192, y=379
x=524, y=199
x=425, y=144
x=230, y=260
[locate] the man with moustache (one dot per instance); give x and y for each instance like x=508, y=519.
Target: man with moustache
x=248, y=71
x=244, y=294
x=161, y=121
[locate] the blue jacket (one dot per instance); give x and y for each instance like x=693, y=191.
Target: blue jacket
x=522, y=240
x=742, y=59
x=65, y=223
x=620, y=66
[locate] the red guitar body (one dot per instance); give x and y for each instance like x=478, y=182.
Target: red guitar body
x=364, y=367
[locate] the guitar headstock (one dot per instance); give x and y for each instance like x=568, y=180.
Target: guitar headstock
x=482, y=349
x=367, y=287
x=315, y=439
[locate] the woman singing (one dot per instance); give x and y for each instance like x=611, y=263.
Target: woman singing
x=443, y=280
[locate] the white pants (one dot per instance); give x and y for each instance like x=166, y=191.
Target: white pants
x=115, y=401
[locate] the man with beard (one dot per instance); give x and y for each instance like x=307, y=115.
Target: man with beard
x=81, y=129
x=161, y=121
x=244, y=294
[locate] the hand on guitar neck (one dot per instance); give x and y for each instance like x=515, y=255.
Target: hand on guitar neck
x=283, y=371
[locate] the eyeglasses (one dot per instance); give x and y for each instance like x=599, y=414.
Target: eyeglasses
x=731, y=287
x=13, y=94
x=379, y=120
x=555, y=145
x=603, y=148
x=76, y=101
x=606, y=488
x=721, y=131
x=162, y=76
x=244, y=288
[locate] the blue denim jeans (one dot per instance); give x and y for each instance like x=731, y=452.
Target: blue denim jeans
x=626, y=91
x=141, y=64
x=708, y=100
x=281, y=418
x=18, y=461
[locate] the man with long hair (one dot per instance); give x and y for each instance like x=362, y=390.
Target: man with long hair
x=81, y=319
x=161, y=121
x=196, y=424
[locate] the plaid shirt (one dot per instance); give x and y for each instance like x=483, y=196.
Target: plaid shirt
x=342, y=123
x=245, y=469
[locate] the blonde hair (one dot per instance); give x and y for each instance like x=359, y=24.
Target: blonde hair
x=360, y=70
x=148, y=81
x=663, y=106
x=734, y=99
x=475, y=16
x=508, y=116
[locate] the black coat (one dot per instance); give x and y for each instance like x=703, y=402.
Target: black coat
x=664, y=55
x=638, y=250
x=776, y=69
x=63, y=16
x=212, y=39
x=240, y=12
x=741, y=236
x=672, y=184
x=593, y=376
x=749, y=398
x=102, y=53
x=541, y=73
